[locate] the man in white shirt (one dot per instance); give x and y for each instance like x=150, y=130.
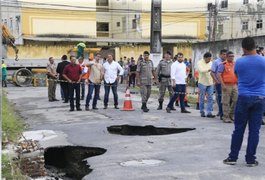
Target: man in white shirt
x=111, y=79
x=178, y=79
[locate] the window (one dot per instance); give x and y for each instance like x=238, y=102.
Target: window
x=102, y=3
x=118, y=24
x=220, y=28
x=134, y=24
x=245, y=1
x=124, y=24
x=17, y=24
x=103, y=26
x=224, y=3
x=259, y=24
x=11, y=25
x=245, y=25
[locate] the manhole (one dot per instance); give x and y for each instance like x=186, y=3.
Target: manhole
x=145, y=130
x=67, y=162
x=142, y=162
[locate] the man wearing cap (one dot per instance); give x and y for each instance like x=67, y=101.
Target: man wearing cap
x=163, y=74
x=144, y=73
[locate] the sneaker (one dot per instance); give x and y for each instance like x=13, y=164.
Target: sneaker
x=252, y=164
x=185, y=111
x=202, y=114
x=229, y=161
x=168, y=109
x=210, y=116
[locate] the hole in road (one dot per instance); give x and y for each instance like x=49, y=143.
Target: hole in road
x=145, y=130
x=67, y=162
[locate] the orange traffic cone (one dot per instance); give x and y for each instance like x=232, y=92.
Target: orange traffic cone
x=127, y=106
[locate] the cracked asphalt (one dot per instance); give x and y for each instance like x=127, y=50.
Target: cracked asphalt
x=193, y=155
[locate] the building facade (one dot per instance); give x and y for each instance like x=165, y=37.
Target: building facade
x=50, y=28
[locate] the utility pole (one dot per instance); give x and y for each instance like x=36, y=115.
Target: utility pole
x=210, y=21
x=214, y=28
x=212, y=8
x=155, y=31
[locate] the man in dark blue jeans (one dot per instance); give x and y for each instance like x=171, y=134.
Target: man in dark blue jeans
x=217, y=82
x=250, y=104
x=111, y=79
x=178, y=80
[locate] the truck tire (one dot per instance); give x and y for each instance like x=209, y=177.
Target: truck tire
x=22, y=77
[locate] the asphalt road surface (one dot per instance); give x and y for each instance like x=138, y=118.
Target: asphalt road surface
x=192, y=155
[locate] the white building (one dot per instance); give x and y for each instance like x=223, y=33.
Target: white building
x=239, y=18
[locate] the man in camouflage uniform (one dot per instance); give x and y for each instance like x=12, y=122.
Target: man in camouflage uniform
x=163, y=73
x=144, y=73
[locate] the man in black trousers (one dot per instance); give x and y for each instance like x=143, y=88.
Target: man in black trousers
x=73, y=74
x=63, y=82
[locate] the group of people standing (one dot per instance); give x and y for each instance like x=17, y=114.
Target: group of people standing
x=74, y=76
x=239, y=87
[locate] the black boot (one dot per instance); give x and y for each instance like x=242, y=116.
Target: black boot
x=197, y=106
x=160, y=107
x=186, y=104
x=176, y=103
x=144, y=108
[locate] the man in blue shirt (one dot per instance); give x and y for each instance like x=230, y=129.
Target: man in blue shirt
x=217, y=82
x=250, y=70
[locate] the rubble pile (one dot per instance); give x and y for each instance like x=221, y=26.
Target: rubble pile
x=31, y=158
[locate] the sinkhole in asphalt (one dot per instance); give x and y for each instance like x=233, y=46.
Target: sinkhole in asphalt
x=68, y=162
x=145, y=130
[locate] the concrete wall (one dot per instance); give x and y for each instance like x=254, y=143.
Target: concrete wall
x=48, y=22
x=199, y=49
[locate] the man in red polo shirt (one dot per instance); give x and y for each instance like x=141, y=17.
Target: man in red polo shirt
x=228, y=81
x=73, y=74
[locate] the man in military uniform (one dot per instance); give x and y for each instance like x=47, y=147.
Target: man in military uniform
x=163, y=73
x=144, y=73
